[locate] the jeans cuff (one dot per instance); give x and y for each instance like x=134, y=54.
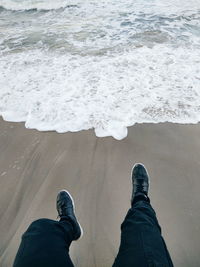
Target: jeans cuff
x=140, y=197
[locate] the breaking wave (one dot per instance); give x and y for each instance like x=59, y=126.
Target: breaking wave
x=29, y=5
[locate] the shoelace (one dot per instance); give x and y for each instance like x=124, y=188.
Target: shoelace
x=139, y=186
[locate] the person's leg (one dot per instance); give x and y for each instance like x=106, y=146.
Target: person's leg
x=141, y=242
x=46, y=242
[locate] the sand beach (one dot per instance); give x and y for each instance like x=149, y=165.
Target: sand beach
x=35, y=165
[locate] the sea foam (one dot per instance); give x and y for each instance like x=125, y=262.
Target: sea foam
x=108, y=94
x=102, y=65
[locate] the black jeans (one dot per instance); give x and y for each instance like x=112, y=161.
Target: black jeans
x=141, y=242
x=46, y=242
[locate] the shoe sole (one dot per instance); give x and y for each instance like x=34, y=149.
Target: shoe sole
x=74, y=211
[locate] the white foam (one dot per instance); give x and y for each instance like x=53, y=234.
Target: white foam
x=104, y=65
x=65, y=93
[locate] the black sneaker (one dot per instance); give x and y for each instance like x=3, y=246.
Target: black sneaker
x=66, y=210
x=140, y=180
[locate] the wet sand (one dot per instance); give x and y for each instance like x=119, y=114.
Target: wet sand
x=34, y=166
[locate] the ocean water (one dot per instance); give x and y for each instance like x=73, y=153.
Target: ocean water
x=106, y=65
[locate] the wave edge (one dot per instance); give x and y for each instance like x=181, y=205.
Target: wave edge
x=36, y=9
